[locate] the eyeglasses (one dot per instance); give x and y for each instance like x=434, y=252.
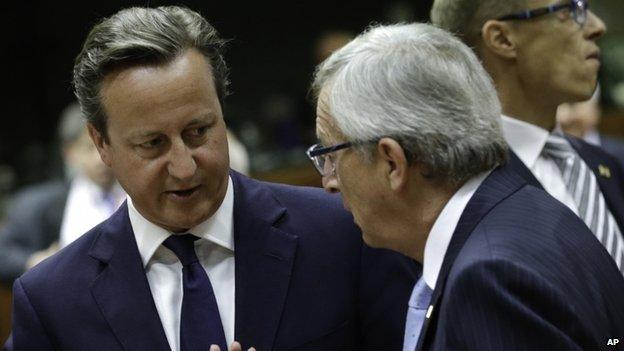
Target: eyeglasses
x=578, y=10
x=321, y=157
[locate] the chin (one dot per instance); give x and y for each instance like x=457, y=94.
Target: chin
x=372, y=241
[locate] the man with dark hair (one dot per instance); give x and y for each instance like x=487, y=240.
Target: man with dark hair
x=540, y=54
x=199, y=256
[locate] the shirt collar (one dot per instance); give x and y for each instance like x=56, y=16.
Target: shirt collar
x=444, y=227
x=217, y=229
x=525, y=139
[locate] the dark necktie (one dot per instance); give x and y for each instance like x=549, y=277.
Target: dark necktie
x=200, y=323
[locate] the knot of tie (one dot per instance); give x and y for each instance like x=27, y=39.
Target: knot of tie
x=421, y=295
x=558, y=147
x=183, y=246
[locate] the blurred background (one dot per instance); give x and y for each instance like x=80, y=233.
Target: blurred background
x=273, y=50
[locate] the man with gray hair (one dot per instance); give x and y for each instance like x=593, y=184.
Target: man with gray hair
x=409, y=127
x=540, y=54
x=199, y=256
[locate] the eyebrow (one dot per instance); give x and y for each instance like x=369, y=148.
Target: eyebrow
x=208, y=117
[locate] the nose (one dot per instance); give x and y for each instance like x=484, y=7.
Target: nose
x=330, y=183
x=594, y=27
x=181, y=164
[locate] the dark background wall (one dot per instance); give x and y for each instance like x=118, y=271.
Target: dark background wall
x=270, y=56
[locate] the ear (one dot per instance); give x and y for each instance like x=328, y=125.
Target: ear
x=498, y=38
x=102, y=146
x=394, y=163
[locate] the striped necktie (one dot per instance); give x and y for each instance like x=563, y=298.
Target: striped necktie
x=583, y=187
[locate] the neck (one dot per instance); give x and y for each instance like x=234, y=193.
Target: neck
x=106, y=187
x=417, y=227
x=528, y=109
x=519, y=99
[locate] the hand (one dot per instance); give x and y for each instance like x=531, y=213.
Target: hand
x=236, y=346
x=39, y=256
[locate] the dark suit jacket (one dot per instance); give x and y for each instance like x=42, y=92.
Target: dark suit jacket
x=614, y=146
x=522, y=272
x=611, y=184
x=32, y=224
x=300, y=272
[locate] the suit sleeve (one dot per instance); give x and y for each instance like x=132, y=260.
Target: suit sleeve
x=27, y=331
x=496, y=305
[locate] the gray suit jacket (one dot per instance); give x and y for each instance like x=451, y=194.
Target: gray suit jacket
x=32, y=224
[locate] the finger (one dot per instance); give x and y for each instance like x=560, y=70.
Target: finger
x=251, y=349
x=215, y=348
x=236, y=346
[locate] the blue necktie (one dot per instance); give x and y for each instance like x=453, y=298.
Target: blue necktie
x=418, y=304
x=200, y=323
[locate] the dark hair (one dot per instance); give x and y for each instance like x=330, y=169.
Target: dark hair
x=143, y=36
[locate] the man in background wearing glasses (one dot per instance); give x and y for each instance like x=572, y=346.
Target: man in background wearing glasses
x=540, y=54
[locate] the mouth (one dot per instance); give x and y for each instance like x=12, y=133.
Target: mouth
x=183, y=194
x=594, y=56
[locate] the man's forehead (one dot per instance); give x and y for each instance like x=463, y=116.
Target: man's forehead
x=326, y=128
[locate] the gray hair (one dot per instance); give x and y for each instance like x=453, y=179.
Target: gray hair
x=143, y=36
x=71, y=124
x=422, y=87
x=465, y=18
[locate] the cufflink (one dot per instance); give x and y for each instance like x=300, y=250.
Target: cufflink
x=429, y=311
x=604, y=171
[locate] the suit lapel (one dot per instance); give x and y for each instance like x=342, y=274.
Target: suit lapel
x=121, y=290
x=522, y=170
x=500, y=184
x=264, y=257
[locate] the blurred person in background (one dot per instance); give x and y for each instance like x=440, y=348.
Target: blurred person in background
x=328, y=42
x=540, y=54
x=581, y=119
x=239, y=157
x=46, y=217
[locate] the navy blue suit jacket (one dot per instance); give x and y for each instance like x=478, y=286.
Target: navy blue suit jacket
x=614, y=146
x=522, y=272
x=304, y=281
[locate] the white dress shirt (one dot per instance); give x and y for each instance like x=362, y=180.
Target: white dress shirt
x=527, y=141
x=444, y=227
x=87, y=205
x=215, y=250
